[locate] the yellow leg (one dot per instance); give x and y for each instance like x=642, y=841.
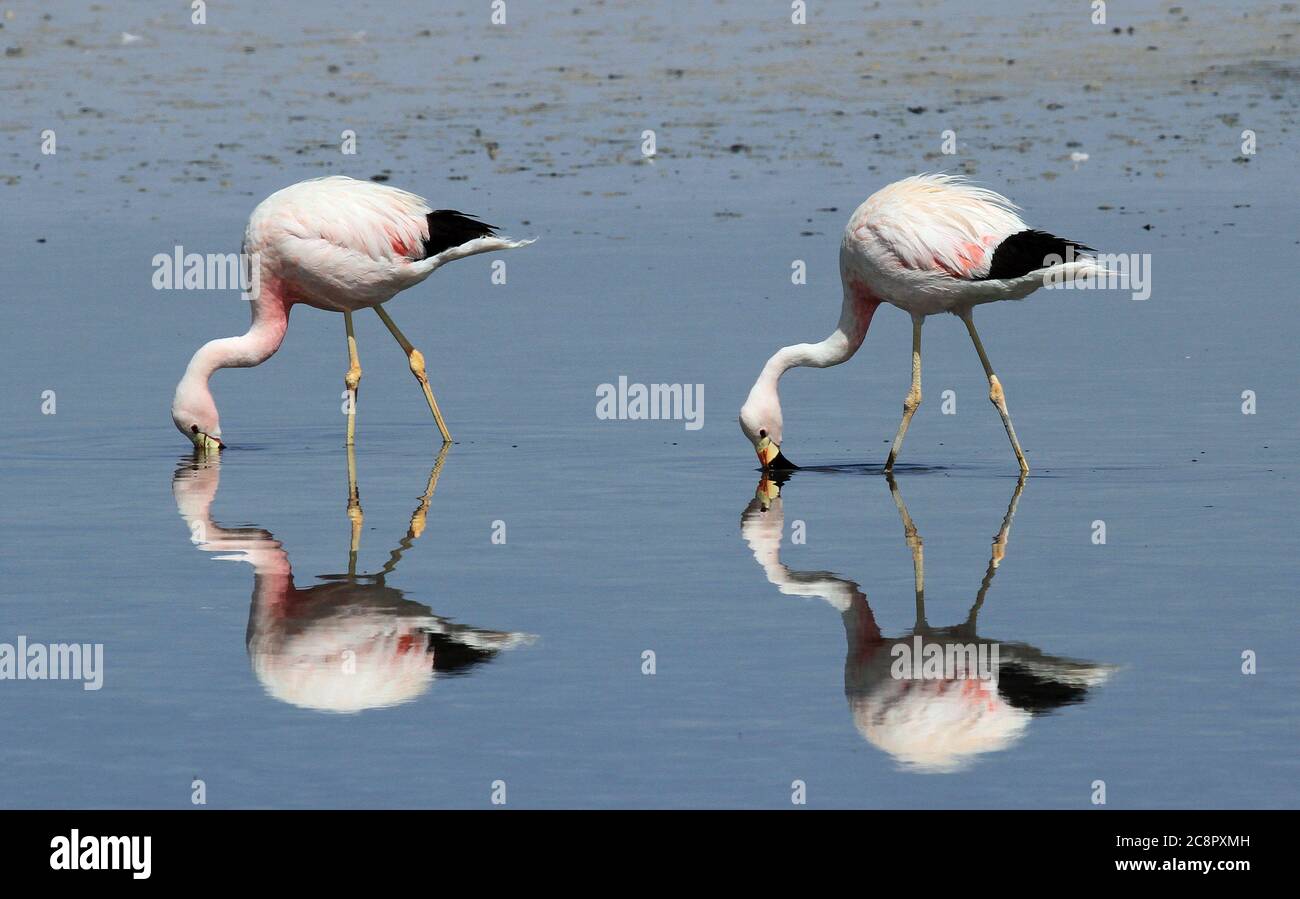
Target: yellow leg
x=416, y=359
x=913, y=400
x=354, y=510
x=995, y=391
x=352, y=378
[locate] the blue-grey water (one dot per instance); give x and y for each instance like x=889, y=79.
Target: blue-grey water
x=524, y=662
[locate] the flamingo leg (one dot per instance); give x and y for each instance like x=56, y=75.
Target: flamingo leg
x=354, y=511
x=352, y=378
x=416, y=360
x=996, y=395
x=913, y=400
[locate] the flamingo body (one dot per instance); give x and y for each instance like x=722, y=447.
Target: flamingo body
x=927, y=244
x=935, y=243
x=340, y=245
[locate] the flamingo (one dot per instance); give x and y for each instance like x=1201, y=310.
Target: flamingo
x=340, y=245
x=927, y=244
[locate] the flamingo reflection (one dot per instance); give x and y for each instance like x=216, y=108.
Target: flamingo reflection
x=351, y=642
x=939, y=723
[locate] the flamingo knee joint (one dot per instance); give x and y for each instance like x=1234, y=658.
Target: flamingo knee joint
x=416, y=358
x=996, y=396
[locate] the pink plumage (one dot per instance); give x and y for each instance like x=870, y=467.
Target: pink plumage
x=927, y=244
x=934, y=223
x=340, y=245
x=345, y=244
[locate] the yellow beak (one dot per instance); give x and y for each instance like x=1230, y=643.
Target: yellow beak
x=206, y=444
x=767, y=451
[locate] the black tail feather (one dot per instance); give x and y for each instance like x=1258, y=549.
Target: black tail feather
x=1028, y=251
x=449, y=228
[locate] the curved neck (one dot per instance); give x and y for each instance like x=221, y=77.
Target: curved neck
x=270, y=321
x=858, y=307
x=263, y=338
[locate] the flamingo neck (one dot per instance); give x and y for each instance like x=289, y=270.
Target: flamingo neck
x=855, y=318
x=263, y=338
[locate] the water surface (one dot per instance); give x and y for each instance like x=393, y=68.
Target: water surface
x=481, y=661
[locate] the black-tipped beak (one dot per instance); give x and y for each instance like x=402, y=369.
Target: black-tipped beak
x=771, y=457
x=781, y=463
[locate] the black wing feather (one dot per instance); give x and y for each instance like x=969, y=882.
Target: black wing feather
x=449, y=228
x=1026, y=251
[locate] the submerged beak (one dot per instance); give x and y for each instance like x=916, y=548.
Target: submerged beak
x=205, y=443
x=769, y=456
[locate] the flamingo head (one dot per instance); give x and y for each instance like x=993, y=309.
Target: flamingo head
x=760, y=419
x=195, y=415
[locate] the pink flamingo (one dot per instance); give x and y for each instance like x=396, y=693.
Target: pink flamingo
x=927, y=244
x=337, y=244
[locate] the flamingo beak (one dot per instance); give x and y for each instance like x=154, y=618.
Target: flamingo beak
x=770, y=457
x=206, y=443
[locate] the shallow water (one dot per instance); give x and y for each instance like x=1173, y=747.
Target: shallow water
x=522, y=661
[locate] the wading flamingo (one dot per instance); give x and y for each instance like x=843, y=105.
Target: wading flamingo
x=341, y=245
x=927, y=244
